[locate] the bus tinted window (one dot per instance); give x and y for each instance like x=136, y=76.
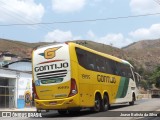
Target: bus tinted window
x=90, y=60
x=123, y=70
x=94, y=62
x=82, y=57
x=98, y=63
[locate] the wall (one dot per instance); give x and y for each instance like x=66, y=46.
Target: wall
x=24, y=90
x=23, y=85
x=12, y=93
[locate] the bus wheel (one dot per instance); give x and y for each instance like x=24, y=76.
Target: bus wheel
x=105, y=103
x=62, y=112
x=97, y=105
x=133, y=99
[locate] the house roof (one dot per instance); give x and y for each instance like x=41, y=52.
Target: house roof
x=16, y=70
x=23, y=60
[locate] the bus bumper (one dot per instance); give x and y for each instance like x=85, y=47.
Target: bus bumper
x=57, y=104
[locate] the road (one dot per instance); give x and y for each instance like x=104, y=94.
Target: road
x=142, y=107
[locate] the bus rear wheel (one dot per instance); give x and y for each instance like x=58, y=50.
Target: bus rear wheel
x=105, y=103
x=97, y=104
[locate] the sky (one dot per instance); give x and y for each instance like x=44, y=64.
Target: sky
x=116, y=32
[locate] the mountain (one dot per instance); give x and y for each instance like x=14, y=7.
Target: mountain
x=143, y=54
x=103, y=48
x=22, y=49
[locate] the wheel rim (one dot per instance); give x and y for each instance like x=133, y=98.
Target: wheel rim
x=97, y=104
x=105, y=104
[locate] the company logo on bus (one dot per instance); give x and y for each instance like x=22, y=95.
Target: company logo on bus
x=106, y=79
x=50, y=53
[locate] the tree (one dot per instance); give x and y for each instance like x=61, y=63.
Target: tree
x=143, y=84
x=155, y=77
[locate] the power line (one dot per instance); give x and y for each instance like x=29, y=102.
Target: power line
x=81, y=21
x=18, y=16
x=157, y=1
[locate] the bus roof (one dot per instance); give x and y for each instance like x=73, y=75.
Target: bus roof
x=102, y=54
x=41, y=46
x=91, y=50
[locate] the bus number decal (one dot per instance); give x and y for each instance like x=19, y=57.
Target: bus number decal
x=63, y=87
x=85, y=76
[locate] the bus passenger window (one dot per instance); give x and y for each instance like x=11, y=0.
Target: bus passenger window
x=81, y=56
x=108, y=68
x=102, y=69
x=100, y=64
x=90, y=61
x=91, y=66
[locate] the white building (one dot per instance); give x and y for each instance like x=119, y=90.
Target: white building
x=16, y=85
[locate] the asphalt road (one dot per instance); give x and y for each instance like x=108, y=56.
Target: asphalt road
x=141, y=109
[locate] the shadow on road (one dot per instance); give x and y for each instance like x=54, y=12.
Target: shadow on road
x=84, y=112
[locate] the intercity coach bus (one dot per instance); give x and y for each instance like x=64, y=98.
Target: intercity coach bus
x=68, y=77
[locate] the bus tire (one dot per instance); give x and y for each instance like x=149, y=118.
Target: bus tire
x=97, y=104
x=62, y=112
x=105, y=103
x=133, y=99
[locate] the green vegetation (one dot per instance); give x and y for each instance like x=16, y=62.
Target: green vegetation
x=143, y=84
x=149, y=78
x=155, y=77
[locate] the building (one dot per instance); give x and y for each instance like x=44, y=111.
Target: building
x=155, y=93
x=16, y=85
x=7, y=57
x=21, y=65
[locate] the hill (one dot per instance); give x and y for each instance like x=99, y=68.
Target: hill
x=22, y=49
x=103, y=48
x=145, y=53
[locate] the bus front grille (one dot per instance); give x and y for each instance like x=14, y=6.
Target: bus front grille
x=52, y=74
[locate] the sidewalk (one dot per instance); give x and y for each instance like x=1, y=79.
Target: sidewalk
x=20, y=109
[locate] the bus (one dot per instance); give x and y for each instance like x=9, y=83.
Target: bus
x=68, y=77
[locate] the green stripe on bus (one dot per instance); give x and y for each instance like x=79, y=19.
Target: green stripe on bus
x=123, y=87
x=120, y=88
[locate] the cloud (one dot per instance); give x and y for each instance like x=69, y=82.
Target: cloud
x=116, y=40
x=119, y=40
x=93, y=3
x=91, y=35
x=152, y=32
x=20, y=11
x=64, y=6
x=144, y=6
x=60, y=36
